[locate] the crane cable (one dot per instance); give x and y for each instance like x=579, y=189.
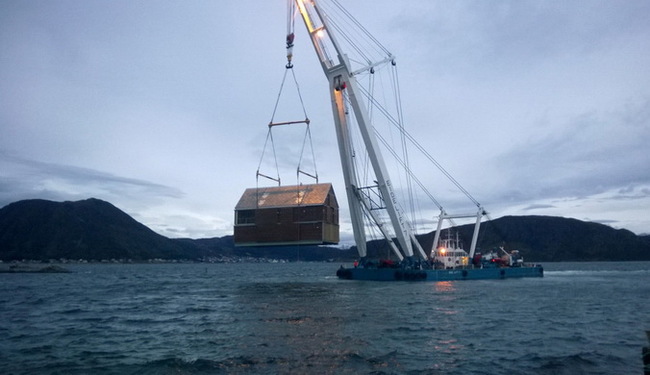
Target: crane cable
x=291, y=14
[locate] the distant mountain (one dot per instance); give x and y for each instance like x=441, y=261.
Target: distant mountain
x=93, y=229
x=544, y=239
x=549, y=238
x=90, y=229
x=645, y=238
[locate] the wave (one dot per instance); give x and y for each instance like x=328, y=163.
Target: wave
x=596, y=272
x=578, y=363
x=344, y=363
x=567, y=322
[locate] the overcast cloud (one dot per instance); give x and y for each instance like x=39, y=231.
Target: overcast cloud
x=536, y=107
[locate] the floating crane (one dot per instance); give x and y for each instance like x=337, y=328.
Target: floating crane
x=372, y=196
x=366, y=201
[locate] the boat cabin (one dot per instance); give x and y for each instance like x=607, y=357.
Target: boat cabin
x=287, y=215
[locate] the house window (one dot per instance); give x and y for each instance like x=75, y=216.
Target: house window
x=245, y=217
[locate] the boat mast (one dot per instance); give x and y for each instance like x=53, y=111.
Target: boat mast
x=344, y=88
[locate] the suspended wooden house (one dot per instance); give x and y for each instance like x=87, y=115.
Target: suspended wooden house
x=301, y=214
x=287, y=215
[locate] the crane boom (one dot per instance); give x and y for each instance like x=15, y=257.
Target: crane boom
x=344, y=89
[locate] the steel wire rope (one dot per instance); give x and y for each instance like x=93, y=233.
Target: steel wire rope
x=400, y=117
x=395, y=83
x=354, y=38
x=365, y=168
x=291, y=17
x=371, y=84
x=408, y=170
x=405, y=166
x=383, y=90
x=361, y=165
x=311, y=145
x=277, y=100
x=363, y=175
x=356, y=35
x=307, y=131
x=404, y=175
x=302, y=103
x=399, y=122
x=364, y=52
x=361, y=168
x=291, y=11
x=370, y=110
x=427, y=154
x=345, y=34
x=269, y=135
x=361, y=27
x=371, y=229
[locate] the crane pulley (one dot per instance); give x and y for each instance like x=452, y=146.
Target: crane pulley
x=291, y=17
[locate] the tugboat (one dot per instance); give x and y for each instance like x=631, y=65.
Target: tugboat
x=449, y=254
x=376, y=205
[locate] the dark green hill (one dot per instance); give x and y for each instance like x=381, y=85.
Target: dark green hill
x=549, y=238
x=89, y=229
x=94, y=230
x=545, y=239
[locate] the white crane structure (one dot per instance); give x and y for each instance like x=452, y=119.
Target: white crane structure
x=349, y=105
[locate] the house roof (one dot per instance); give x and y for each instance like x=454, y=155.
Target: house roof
x=285, y=196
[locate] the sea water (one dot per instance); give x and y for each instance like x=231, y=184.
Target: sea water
x=298, y=318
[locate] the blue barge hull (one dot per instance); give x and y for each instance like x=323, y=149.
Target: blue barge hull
x=397, y=274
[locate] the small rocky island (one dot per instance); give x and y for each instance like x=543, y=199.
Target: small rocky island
x=29, y=268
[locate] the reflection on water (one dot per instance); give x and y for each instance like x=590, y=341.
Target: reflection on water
x=444, y=286
x=293, y=321
x=448, y=346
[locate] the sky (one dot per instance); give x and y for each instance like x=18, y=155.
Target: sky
x=161, y=107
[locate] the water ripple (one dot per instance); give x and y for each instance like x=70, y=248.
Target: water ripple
x=296, y=319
